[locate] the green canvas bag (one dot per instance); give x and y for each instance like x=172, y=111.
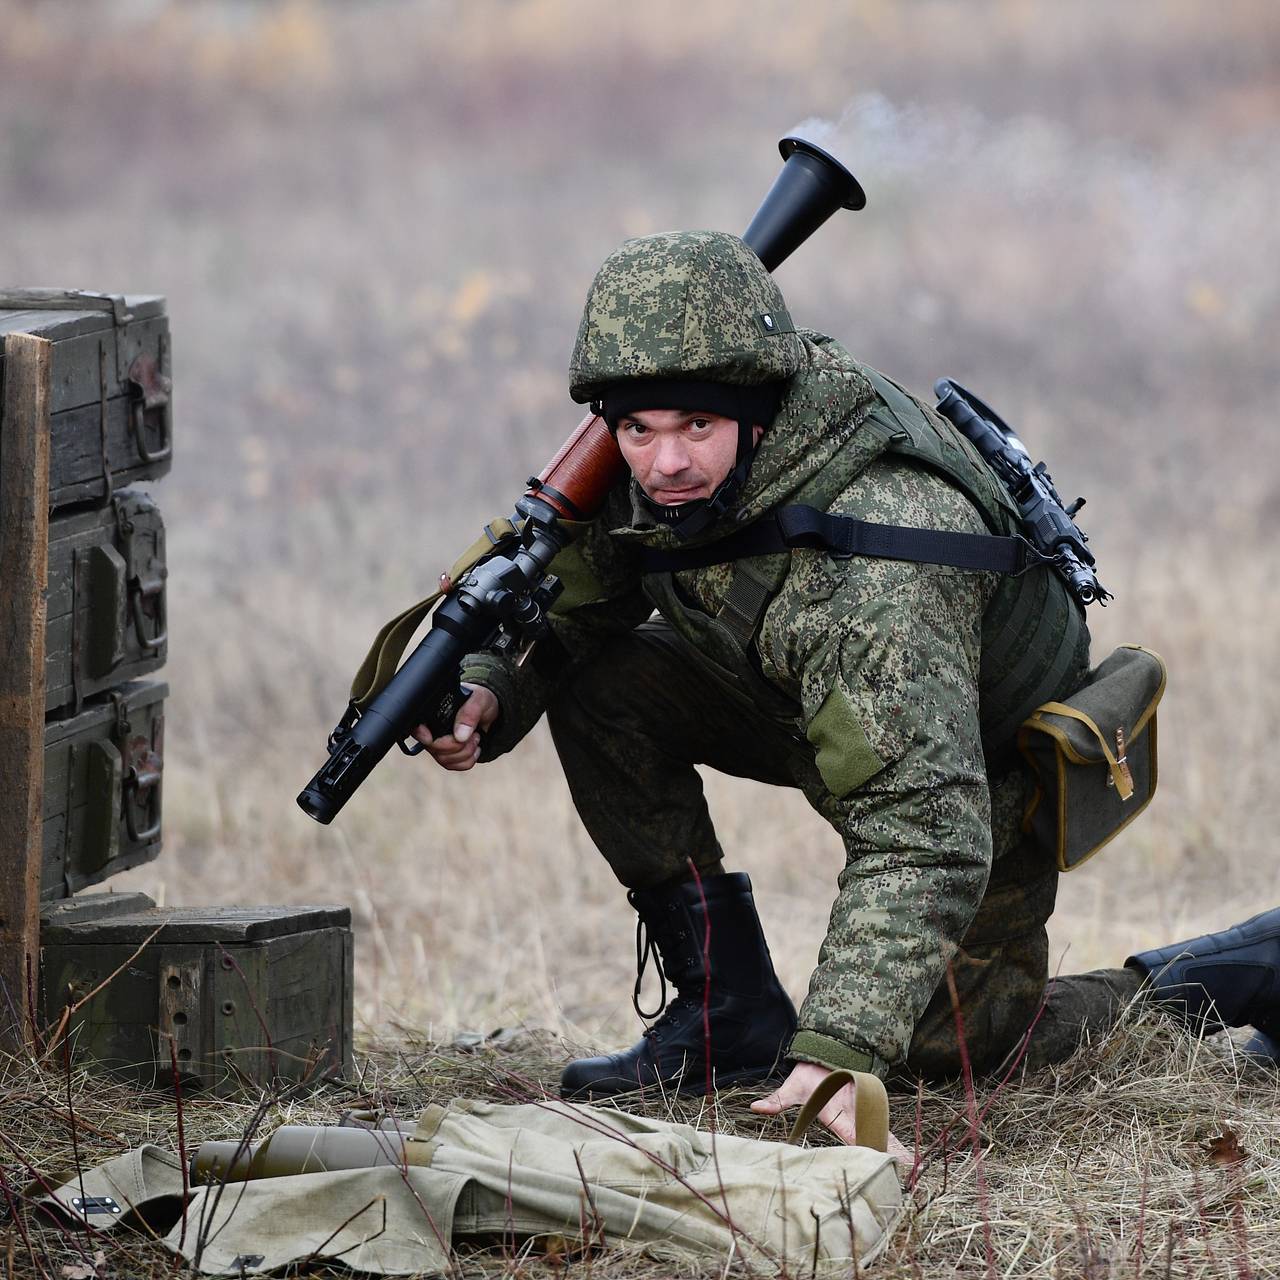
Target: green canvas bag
x=1094, y=756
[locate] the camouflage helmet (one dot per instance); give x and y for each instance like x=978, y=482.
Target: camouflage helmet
x=683, y=304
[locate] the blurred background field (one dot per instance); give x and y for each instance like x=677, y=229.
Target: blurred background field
x=375, y=223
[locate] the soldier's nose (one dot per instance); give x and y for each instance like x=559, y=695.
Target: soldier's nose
x=672, y=459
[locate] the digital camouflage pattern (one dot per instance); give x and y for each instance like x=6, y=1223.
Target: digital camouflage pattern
x=603, y=724
x=861, y=688
x=692, y=304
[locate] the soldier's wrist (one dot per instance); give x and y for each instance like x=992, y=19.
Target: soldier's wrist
x=484, y=672
x=835, y=1055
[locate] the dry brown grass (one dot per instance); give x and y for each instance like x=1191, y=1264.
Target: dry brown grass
x=375, y=223
x=1103, y=1167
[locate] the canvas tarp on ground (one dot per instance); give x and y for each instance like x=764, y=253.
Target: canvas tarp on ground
x=492, y=1171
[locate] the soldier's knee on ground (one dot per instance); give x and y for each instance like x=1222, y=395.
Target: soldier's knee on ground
x=1000, y=988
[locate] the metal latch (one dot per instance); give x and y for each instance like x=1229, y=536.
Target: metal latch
x=142, y=764
x=140, y=587
x=148, y=588
x=149, y=390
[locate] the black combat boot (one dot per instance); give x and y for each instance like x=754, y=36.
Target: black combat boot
x=749, y=1018
x=1227, y=979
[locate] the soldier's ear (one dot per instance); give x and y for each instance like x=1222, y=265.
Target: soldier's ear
x=756, y=433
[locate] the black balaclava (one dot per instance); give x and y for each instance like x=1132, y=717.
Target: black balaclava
x=749, y=406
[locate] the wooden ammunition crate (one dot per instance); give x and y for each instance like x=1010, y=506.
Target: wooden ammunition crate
x=238, y=996
x=103, y=772
x=110, y=414
x=107, y=612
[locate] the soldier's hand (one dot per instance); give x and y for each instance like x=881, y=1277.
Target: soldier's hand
x=838, y=1115
x=460, y=749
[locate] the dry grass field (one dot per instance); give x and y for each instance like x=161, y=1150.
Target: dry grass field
x=375, y=223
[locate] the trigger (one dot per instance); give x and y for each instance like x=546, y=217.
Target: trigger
x=523, y=656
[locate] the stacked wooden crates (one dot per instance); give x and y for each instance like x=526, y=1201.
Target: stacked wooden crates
x=106, y=400
x=110, y=426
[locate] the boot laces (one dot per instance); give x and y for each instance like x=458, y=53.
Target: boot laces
x=645, y=947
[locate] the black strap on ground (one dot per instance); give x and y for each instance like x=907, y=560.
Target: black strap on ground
x=847, y=536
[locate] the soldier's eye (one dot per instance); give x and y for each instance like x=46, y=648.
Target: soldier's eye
x=700, y=424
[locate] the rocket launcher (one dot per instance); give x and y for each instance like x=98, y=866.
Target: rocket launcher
x=499, y=593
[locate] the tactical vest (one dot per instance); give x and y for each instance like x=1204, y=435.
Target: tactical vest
x=1035, y=642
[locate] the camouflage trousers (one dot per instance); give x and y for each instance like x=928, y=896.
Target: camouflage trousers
x=631, y=724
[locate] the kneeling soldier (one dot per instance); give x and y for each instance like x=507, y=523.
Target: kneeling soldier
x=888, y=691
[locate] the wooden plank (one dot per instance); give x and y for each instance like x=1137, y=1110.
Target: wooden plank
x=93, y=906
x=54, y=325
x=122, y=307
x=76, y=468
x=182, y=1015
x=209, y=924
x=24, y=552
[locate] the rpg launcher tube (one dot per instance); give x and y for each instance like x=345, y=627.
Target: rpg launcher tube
x=424, y=691
x=294, y=1149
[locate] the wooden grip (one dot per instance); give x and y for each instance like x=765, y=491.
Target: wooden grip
x=578, y=479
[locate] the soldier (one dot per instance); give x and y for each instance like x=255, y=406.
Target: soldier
x=888, y=691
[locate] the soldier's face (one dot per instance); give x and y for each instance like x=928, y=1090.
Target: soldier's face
x=677, y=455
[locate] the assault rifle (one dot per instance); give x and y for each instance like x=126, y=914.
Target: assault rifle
x=500, y=600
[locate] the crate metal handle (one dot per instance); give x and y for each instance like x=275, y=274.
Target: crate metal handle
x=144, y=774
x=139, y=590
x=150, y=391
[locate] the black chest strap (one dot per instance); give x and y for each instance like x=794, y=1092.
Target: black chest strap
x=845, y=537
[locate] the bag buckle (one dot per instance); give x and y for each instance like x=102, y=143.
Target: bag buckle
x=1032, y=557
x=1122, y=764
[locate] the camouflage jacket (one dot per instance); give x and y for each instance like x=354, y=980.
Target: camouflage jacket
x=874, y=662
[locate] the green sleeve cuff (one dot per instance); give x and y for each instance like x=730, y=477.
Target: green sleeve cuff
x=809, y=1046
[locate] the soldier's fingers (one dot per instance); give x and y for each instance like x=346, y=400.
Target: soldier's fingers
x=451, y=753
x=478, y=712
x=781, y=1099
x=459, y=760
x=468, y=718
x=423, y=735
x=458, y=766
x=839, y=1116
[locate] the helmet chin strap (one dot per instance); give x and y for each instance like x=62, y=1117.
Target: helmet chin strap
x=689, y=519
